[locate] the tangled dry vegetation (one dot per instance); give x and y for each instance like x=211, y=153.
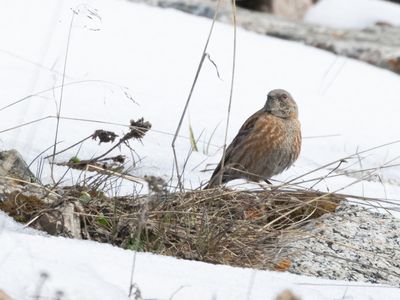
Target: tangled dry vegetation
x=238, y=228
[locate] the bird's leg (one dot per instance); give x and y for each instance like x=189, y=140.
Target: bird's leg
x=267, y=181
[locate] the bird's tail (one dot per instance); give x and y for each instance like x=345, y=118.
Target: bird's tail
x=214, y=180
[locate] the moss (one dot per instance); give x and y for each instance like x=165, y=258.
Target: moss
x=21, y=207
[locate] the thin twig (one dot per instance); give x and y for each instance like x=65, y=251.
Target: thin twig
x=334, y=162
x=230, y=92
x=66, y=84
x=72, y=146
x=61, y=94
x=203, y=55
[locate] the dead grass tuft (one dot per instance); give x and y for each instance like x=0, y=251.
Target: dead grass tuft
x=20, y=206
x=217, y=226
x=238, y=228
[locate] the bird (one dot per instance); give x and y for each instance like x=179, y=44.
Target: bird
x=268, y=143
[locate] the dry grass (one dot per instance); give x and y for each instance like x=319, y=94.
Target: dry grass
x=20, y=206
x=238, y=228
x=218, y=226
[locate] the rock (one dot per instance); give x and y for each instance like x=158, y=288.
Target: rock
x=287, y=295
x=59, y=217
x=61, y=221
x=4, y=296
x=13, y=165
x=258, y=5
x=378, y=45
x=354, y=244
x=291, y=9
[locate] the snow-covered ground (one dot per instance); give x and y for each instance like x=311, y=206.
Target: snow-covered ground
x=345, y=107
x=154, y=53
x=87, y=270
x=354, y=13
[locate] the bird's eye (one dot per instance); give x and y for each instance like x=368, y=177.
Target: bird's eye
x=284, y=96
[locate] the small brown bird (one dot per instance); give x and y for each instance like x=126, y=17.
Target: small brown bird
x=267, y=143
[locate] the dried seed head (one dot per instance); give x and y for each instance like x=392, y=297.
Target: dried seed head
x=104, y=136
x=137, y=129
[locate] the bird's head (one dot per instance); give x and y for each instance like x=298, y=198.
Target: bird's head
x=281, y=104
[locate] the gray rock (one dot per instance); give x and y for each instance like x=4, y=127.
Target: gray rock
x=62, y=221
x=291, y=9
x=13, y=165
x=354, y=244
x=61, y=217
x=378, y=45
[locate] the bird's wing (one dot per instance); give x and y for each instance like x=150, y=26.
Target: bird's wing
x=244, y=131
x=241, y=135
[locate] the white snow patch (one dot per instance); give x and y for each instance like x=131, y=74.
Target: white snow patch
x=155, y=52
x=353, y=13
x=87, y=270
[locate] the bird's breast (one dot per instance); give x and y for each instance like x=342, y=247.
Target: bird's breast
x=279, y=146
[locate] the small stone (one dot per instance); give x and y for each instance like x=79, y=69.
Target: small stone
x=13, y=165
x=4, y=296
x=287, y=295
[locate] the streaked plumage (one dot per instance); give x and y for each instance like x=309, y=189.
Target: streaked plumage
x=267, y=143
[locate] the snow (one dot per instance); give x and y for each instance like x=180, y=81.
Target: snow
x=153, y=54
x=353, y=13
x=345, y=106
x=89, y=270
